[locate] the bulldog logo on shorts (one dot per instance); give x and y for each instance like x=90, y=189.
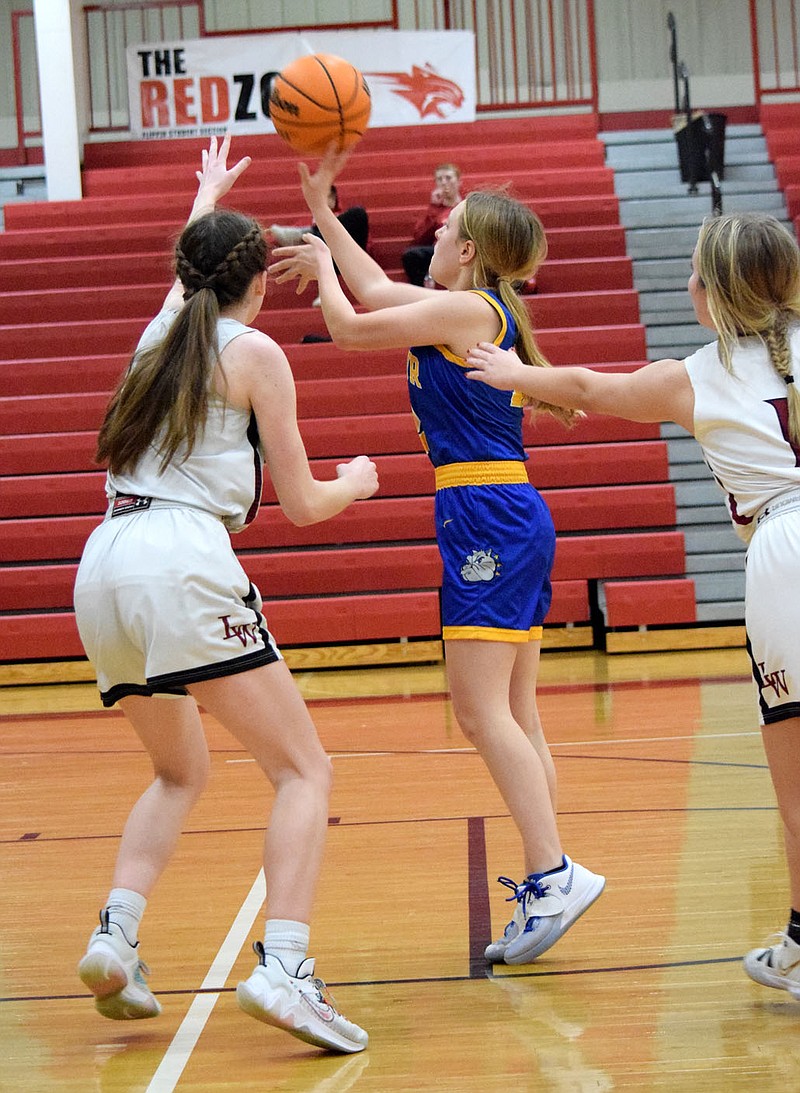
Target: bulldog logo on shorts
x=480, y=565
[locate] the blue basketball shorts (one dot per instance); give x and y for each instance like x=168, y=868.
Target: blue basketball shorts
x=497, y=544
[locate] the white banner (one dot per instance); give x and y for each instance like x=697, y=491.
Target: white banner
x=209, y=86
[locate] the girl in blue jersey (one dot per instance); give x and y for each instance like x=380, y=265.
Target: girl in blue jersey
x=739, y=397
x=165, y=609
x=493, y=529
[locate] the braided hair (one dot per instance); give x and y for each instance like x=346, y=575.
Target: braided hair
x=163, y=398
x=749, y=265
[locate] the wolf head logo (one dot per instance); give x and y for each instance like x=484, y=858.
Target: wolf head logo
x=430, y=93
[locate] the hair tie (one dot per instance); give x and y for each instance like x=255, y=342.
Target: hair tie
x=207, y=282
x=789, y=378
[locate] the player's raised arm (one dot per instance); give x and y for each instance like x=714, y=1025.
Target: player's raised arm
x=214, y=180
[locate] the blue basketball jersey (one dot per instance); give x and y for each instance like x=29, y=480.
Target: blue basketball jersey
x=493, y=529
x=459, y=420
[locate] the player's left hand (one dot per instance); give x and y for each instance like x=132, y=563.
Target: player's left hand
x=500, y=368
x=301, y=262
x=215, y=178
x=316, y=186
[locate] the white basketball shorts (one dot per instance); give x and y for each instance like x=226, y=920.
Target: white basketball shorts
x=162, y=601
x=772, y=602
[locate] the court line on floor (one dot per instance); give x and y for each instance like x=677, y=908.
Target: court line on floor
x=518, y=973
x=28, y=838
x=480, y=915
x=606, y=743
x=191, y=1027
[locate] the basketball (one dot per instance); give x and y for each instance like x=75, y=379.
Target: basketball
x=317, y=99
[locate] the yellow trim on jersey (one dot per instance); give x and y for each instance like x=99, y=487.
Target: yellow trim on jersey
x=498, y=472
x=491, y=633
x=452, y=357
x=496, y=305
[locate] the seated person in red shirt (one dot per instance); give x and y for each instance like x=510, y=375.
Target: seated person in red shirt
x=446, y=195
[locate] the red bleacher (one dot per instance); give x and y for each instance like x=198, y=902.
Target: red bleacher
x=95, y=272
x=781, y=125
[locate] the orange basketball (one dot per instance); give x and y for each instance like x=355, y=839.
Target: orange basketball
x=317, y=99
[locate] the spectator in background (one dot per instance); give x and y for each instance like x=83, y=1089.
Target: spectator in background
x=355, y=219
x=446, y=195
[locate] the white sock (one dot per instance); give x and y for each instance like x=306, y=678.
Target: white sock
x=288, y=941
x=125, y=908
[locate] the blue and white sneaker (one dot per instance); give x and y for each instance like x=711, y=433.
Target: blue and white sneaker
x=547, y=905
x=495, y=951
x=113, y=972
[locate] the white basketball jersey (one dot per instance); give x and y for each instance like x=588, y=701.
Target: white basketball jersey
x=741, y=422
x=223, y=474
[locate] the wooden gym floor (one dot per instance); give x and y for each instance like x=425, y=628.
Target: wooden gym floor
x=663, y=787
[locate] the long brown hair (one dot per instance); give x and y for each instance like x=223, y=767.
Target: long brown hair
x=510, y=245
x=163, y=398
x=749, y=265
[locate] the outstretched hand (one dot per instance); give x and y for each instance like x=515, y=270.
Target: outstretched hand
x=215, y=178
x=316, y=186
x=500, y=368
x=302, y=262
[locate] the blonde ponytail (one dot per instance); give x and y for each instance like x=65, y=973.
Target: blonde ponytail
x=510, y=245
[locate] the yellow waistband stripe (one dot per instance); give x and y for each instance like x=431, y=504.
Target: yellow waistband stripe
x=496, y=473
x=491, y=633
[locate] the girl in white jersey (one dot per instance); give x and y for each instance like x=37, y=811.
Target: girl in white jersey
x=165, y=609
x=739, y=398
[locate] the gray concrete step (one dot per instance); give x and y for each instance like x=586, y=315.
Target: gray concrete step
x=662, y=241
x=665, y=135
x=712, y=539
x=657, y=157
x=691, y=210
x=675, y=342
x=704, y=515
x=661, y=274
x=699, y=493
x=719, y=586
x=732, y=561
x=648, y=184
x=731, y=612
x=667, y=300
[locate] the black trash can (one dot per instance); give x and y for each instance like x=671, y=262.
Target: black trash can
x=715, y=134
x=701, y=146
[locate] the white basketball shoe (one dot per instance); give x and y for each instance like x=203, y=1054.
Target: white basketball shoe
x=777, y=965
x=547, y=905
x=300, y=1004
x=113, y=972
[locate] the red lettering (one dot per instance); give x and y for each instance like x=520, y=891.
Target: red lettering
x=775, y=680
x=154, y=103
x=214, y=99
x=243, y=632
x=184, y=102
